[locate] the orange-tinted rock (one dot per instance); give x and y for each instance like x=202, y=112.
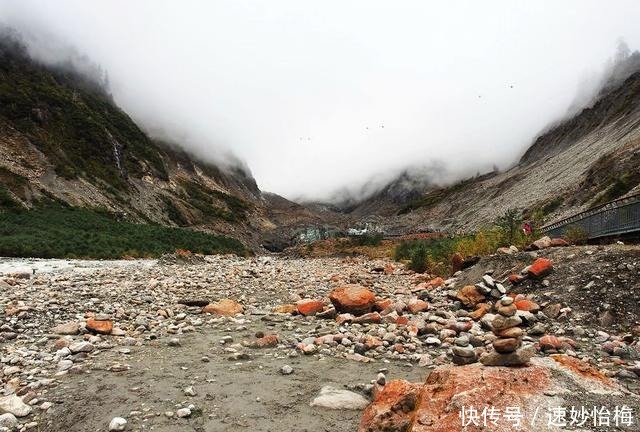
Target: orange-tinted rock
x=509, y=310
x=100, y=326
x=541, y=267
x=435, y=283
x=457, y=261
x=226, y=307
x=352, y=299
x=368, y=318
x=582, y=369
x=549, y=342
x=470, y=296
x=372, y=342
x=513, y=332
x=265, y=342
x=383, y=304
x=558, y=242
x=289, y=308
x=402, y=320
x=460, y=326
x=515, y=279
x=527, y=305
x=417, y=305
x=389, y=268
x=392, y=408
x=481, y=310
x=286, y=309
x=506, y=345
x=309, y=307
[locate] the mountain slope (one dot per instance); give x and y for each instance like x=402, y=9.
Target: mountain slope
x=586, y=160
x=62, y=138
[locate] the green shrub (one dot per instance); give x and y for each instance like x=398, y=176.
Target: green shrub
x=175, y=215
x=202, y=198
x=621, y=184
x=576, y=235
x=366, y=239
x=552, y=206
x=55, y=231
x=419, y=256
x=510, y=224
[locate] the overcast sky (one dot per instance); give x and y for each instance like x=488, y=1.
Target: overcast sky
x=318, y=95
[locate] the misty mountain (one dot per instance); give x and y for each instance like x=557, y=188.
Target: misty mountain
x=63, y=139
x=610, y=116
x=587, y=160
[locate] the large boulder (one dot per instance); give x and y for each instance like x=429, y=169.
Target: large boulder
x=226, y=307
x=353, y=299
x=436, y=405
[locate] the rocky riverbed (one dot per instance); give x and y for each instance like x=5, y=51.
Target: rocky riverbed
x=223, y=343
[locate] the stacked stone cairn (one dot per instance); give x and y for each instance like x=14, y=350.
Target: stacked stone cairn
x=508, y=344
x=463, y=352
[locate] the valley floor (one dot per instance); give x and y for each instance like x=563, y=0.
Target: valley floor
x=163, y=356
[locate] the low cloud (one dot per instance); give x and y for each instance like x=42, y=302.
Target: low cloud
x=322, y=97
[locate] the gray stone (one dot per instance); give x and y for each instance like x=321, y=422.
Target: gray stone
x=117, y=424
x=501, y=322
x=183, y=412
x=518, y=358
x=488, y=281
x=9, y=421
x=337, y=399
x=467, y=351
x=70, y=328
x=286, y=370
x=81, y=347
x=12, y=404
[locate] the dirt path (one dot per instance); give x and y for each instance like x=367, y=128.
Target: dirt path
x=233, y=395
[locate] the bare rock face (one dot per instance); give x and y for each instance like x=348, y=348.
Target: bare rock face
x=436, y=405
x=352, y=299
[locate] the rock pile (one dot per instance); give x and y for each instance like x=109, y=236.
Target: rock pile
x=507, y=345
x=462, y=352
